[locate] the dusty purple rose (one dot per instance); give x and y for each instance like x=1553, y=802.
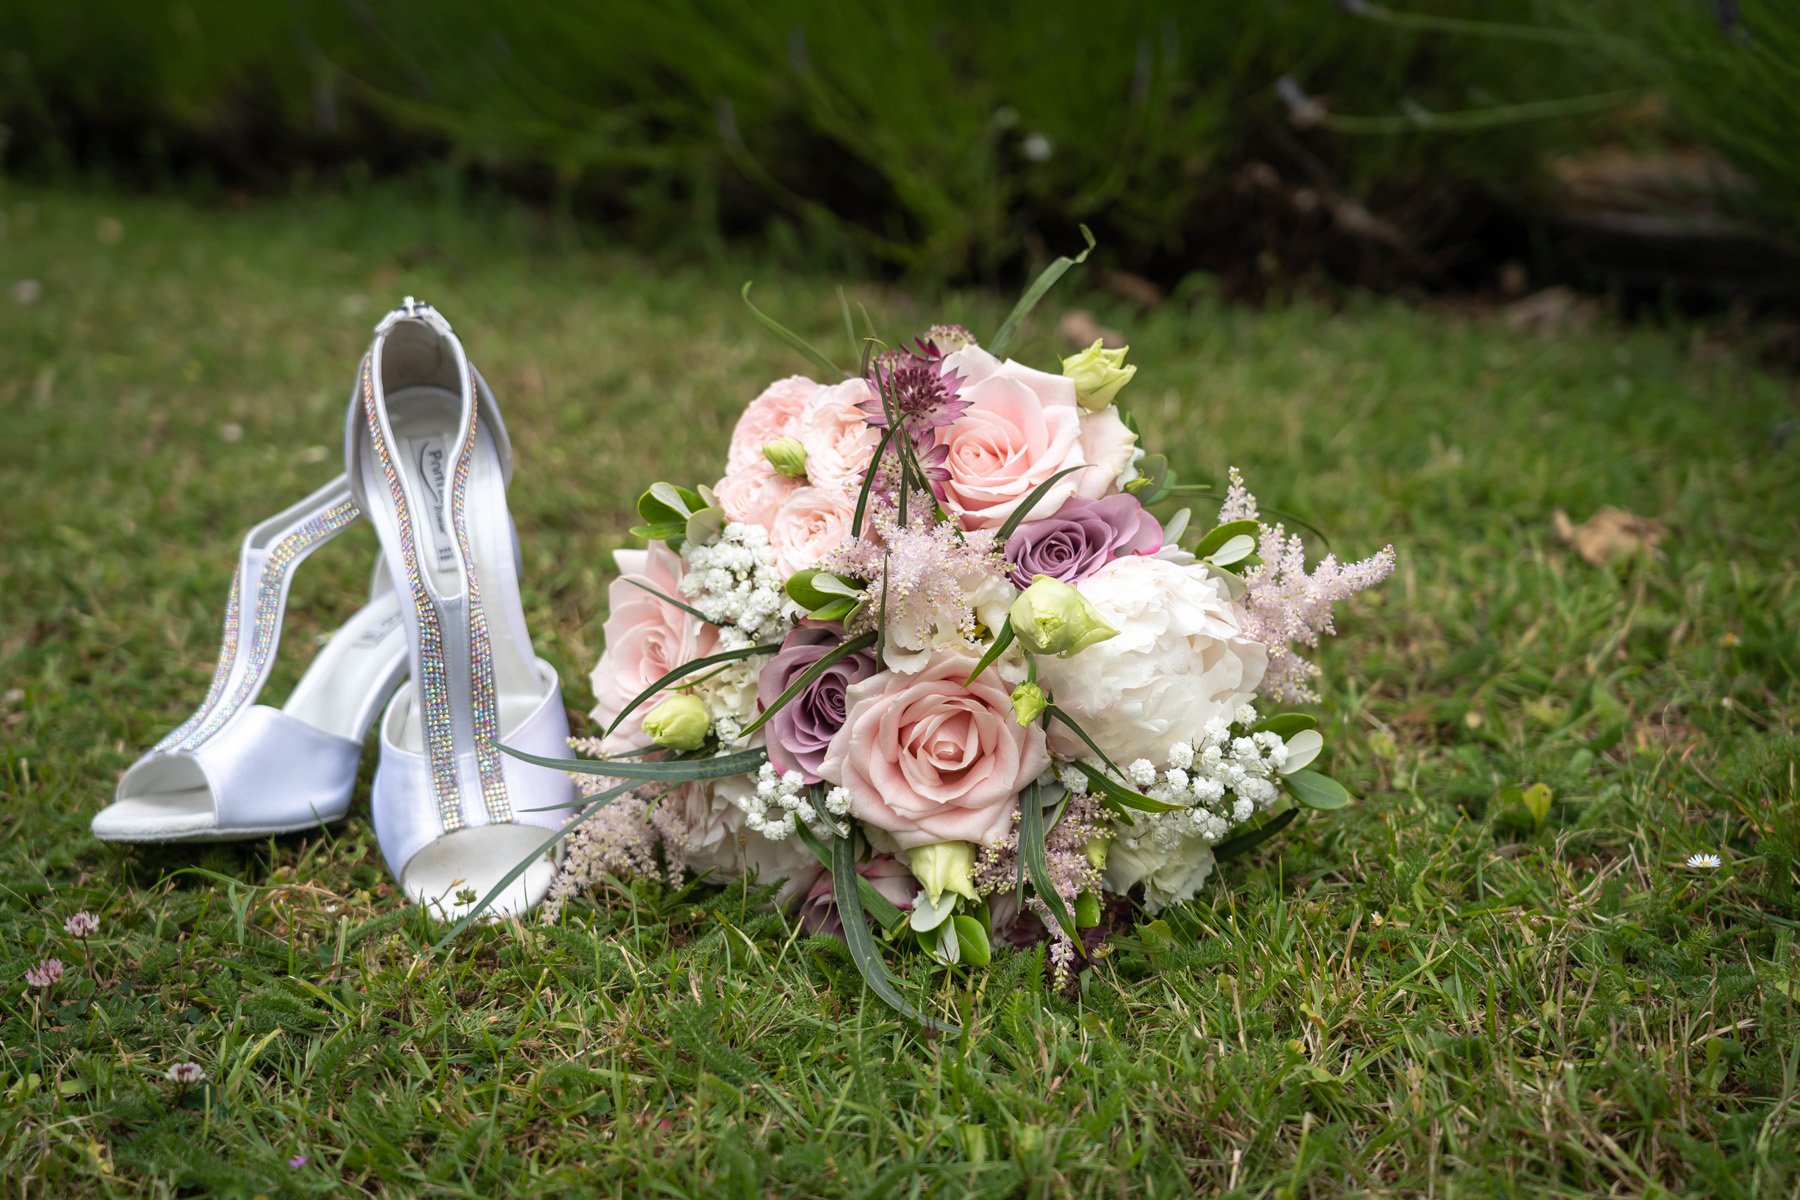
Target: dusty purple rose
x=819, y=912
x=801, y=731
x=1082, y=537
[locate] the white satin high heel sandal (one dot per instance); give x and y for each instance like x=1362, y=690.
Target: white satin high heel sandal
x=428, y=460
x=238, y=769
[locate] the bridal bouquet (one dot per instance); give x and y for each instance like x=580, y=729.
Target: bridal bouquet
x=926, y=656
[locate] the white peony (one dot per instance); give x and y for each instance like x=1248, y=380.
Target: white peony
x=1170, y=876
x=1180, y=660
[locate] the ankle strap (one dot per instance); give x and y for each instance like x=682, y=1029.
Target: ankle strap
x=266, y=563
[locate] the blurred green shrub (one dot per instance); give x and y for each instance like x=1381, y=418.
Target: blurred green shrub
x=938, y=135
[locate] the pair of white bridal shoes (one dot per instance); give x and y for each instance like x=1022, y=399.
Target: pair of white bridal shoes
x=438, y=659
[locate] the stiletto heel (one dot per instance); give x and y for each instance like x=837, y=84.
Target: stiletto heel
x=428, y=459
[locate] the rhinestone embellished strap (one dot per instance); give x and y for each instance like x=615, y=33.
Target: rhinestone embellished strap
x=484, y=706
x=433, y=679
x=228, y=649
x=265, y=628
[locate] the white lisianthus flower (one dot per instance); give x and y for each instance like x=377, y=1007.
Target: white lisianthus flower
x=912, y=639
x=1170, y=876
x=1181, y=660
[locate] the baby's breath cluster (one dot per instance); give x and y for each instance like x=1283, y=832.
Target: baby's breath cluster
x=734, y=582
x=1221, y=780
x=779, y=802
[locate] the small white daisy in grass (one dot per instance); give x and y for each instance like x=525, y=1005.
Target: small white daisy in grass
x=1705, y=862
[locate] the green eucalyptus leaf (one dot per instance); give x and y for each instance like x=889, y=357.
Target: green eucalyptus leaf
x=1316, y=791
x=838, y=610
x=1235, y=550
x=1285, y=725
x=1220, y=534
x=972, y=938
x=705, y=526
x=662, y=531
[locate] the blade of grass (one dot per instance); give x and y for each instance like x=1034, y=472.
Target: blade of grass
x=1010, y=327
x=806, y=348
x=863, y=949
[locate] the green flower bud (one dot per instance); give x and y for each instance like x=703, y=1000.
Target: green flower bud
x=680, y=723
x=944, y=867
x=1050, y=617
x=1096, y=850
x=787, y=456
x=1098, y=374
x=1029, y=702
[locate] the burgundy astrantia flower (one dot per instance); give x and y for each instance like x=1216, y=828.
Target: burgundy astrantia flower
x=802, y=729
x=1083, y=536
x=914, y=386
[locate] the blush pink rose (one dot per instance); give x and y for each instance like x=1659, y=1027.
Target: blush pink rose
x=646, y=638
x=754, y=492
x=811, y=523
x=840, y=443
x=774, y=414
x=1021, y=427
x=926, y=759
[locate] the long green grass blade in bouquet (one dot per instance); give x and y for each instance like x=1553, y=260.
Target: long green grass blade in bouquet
x=1037, y=864
x=863, y=949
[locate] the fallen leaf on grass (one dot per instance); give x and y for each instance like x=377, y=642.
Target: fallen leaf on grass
x=1610, y=534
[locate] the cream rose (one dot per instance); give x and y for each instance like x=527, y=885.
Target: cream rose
x=774, y=414
x=646, y=638
x=1181, y=658
x=811, y=523
x=840, y=443
x=1108, y=443
x=926, y=759
x=1021, y=427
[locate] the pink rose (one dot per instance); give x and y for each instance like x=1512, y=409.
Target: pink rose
x=1110, y=445
x=774, y=414
x=811, y=523
x=927, y=760
x=754, y=492
x=1022, y=426
x=646, y=638
x=840, y=443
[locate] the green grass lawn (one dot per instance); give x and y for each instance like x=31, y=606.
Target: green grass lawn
x=1421, y=995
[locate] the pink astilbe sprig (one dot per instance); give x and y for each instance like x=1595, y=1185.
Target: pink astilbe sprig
x=618, y=840
x=1071, y=872
x=918, y=572
x=1290, y=607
